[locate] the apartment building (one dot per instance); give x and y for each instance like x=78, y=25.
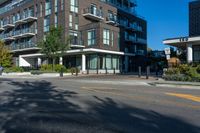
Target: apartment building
x=105, y=34
x=190, y=45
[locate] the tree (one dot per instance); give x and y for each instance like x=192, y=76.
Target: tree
x=54, y=46
x=5, y=55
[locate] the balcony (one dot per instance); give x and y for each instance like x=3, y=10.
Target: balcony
x=1, y=29
x=140, y=52
x=29, y=32
x=77, y=44
x=8, y=26
x=19, y=22
x=7, y=37
x=93, y=14
x=23, y=46
x=133, y=27
x=131, y=39
x=28, y=17
x=141, y=41
x=112, y=21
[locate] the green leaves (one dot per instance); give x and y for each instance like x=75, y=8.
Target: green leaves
x=53, y=45
x=5, y=56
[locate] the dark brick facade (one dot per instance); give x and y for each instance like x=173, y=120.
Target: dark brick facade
x=84, y=23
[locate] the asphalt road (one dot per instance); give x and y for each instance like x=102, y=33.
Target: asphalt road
x=96, y=105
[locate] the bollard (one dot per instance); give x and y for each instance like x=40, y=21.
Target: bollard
x=139, y=71
x=76, y=71
x=147, y=72
x=114, y=71
x=87, y=71
x=106, y=70
x=61, y=72
x=97, y=70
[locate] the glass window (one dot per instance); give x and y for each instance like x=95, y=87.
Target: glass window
x=70, y=21
x=46, y=24
x=41, y=9
x=108, y=62
x=56, y=6
x=62, y=4
x=112, y=38
x=93, y=61
x=48, y=7
x=56, y=20
x=91, y=37
x=106, y=37
x=73, y=38
x=74, y=6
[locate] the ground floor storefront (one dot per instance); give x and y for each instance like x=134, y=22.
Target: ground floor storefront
x=190, y=46
x=87, y=60
x=92, y=60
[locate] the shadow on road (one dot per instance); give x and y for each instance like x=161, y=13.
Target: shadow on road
x=39, y=107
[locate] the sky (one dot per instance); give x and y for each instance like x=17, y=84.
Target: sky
x=165, y=19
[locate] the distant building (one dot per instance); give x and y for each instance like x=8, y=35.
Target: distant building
x=157, y=54
x=191, y=43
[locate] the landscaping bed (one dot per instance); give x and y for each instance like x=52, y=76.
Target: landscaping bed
x=183, y=72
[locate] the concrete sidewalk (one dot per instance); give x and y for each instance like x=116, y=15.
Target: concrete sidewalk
x=177, y=84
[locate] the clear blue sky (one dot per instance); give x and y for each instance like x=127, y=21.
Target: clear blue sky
x=165, y=18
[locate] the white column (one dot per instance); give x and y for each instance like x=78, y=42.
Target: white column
x=39, y=61
x=126, y=63
x=189, y=53
x=61, y=60
x=83, y=63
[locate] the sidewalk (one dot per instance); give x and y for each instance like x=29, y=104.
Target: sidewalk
x=177, y=84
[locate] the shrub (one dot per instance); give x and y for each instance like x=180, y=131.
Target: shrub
x=172, y=71
x=36, y=72
x=13, y=69
x=184, y=68
x=58, y=68
x=74, y=69
x=46, y=67
x=192, y=72
x=198, y=69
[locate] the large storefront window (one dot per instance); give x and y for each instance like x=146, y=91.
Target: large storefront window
x=93, y=61
x=115, y=61
x=196, y=54
x=104, y=61
x=108, y=62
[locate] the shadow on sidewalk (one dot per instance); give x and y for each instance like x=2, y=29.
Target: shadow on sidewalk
x=39, y=107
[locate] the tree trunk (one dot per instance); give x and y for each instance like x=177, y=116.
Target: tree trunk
x=53, y=64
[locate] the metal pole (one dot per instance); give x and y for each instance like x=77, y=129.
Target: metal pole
x=61, y=72
x=139, y=71
x=147, y=72
x=76, y=71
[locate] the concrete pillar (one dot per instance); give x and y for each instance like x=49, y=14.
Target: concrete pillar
x=83, y=63
x=189, y=53
x=61, y=60
x=39, y=61
x=126, y=63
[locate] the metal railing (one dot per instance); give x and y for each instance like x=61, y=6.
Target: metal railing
x=95, y=12
x=23, y=31
x=24, y=45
